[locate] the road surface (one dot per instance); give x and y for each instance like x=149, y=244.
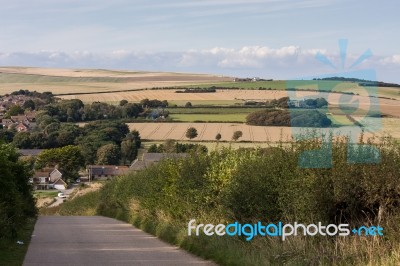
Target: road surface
x=59, y=200
x=96, y=240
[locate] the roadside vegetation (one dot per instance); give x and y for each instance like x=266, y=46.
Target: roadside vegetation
x=12, y=253
x=17, y=206
x=267, y=185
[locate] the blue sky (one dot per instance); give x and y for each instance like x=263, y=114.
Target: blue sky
x=267, y=38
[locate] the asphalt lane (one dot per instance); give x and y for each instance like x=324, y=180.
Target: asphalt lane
x=96, y=240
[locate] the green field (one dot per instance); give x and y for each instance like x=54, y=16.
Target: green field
x=45, y=194
x=283, y=85
x=340, y=120
x=211, y=114
x=216, y=110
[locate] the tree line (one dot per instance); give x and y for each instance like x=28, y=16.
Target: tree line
x=275, y=117
x=102, y=142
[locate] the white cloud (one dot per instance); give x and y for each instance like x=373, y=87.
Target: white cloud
x=263, y=61
x=394, y=59
x=248, y=56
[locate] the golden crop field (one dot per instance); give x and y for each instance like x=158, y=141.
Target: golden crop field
x=208, y=131
x=385, y=125
x=170, y=95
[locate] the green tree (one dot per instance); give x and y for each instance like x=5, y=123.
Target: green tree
x=135, y=137
x=67, y=134
x=153, y=148
x=108, y=154
x=89, y=145
x=129, y=151
x=191, y=133
x=321, y=102
x=15, y=110
x=123, y=102
x=188, y=105
x=170, y=146
x=16, y=201
x=22, y=140
x=237, y=135
x=29, y=104
x=52, y=128
x=68, y=159
x=6, y=135
x=218, y=137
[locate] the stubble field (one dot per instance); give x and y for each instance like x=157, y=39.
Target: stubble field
x=208, y=131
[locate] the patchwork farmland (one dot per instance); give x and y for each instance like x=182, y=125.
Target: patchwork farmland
x=113, y=86
x=387, y=106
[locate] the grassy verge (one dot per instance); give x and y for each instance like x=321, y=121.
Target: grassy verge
x=45, y=194
x=84, y=205
x=12, y=253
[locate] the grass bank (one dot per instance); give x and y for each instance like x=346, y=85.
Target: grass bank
x=13, y=254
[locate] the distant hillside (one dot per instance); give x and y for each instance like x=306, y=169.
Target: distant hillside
x=66, y=81
x=362, y=82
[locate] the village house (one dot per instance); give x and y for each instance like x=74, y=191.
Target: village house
x=297, y=103
x=3, y=108
x=21, y=127
x=105, y=172
x=14, y=100
x=22, y=123
x=48, y=178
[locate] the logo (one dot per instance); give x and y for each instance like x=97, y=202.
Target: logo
x=249, y=231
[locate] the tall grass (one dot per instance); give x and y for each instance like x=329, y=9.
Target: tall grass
x=249, y=185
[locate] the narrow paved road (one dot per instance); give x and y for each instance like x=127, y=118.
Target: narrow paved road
x=79, y=240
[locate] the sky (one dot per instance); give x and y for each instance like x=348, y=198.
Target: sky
x=276, y=39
